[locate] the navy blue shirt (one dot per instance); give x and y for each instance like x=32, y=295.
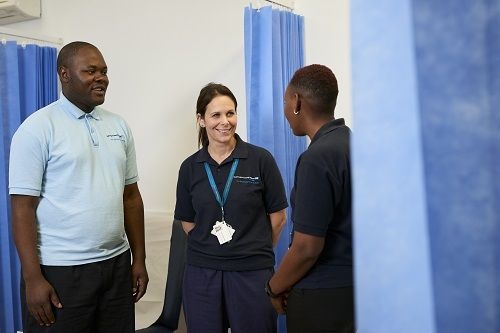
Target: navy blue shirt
x=256, y=191
x=321, y=205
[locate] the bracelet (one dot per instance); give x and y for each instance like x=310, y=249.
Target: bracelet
x=268, y=290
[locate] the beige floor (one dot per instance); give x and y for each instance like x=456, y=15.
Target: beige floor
x=158, y=227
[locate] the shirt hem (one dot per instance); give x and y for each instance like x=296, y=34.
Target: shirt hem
x=85, y=261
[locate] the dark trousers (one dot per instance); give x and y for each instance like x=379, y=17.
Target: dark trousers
x=320, y=310
x=215, y=300
x=96, y=298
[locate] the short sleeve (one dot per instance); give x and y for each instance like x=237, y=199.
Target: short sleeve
x=184, y=210
x=27, y=162
x=274, y=189
x=131, y=174
x=314, y=198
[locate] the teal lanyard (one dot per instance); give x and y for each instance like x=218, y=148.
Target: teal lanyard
x=221, y=201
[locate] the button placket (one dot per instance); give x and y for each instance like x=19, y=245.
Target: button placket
x=92, y=131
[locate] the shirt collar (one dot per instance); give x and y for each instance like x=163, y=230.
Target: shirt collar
x=73, y=110
x=327, y=128
x=240, y=151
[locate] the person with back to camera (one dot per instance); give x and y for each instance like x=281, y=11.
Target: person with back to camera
x=75, y=202
x=231, y=201
x=314, y=283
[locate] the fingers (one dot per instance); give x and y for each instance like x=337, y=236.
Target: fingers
x=281, y=308
x=55, y=300
x=140, y=289
x=39, y=299
x=140, y=280
x=279, y=304
x=43, y=314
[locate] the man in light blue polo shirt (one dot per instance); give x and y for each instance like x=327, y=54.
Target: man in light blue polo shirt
x=77, y=213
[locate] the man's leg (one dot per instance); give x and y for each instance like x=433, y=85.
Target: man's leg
x=76, y=287
x=116, y=303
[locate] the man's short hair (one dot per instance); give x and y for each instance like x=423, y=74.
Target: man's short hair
x=68, y=51
x=318, y=84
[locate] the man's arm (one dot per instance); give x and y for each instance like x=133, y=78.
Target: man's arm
x=298, y=260
x=134, y=227
x=39, y=293
x=278, y=220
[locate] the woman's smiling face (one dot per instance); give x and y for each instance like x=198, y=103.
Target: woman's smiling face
x=220, y=120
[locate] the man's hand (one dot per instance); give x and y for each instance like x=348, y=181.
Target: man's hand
x=140, y=280
x=40, y=296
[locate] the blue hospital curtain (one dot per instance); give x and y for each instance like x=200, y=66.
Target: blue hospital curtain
x=28, y=81
x=426, y=165
x=274, y=42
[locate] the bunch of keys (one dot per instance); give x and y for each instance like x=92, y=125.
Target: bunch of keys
x=223, y=231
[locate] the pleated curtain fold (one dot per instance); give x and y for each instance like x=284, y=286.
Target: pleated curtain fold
x=28, y=81
x=274, y=50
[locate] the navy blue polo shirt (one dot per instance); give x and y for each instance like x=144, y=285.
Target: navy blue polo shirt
x=321, y=205
x=256, y=191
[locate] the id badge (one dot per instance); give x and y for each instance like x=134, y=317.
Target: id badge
x=223, y=231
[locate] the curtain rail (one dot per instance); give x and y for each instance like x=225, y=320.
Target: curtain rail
x=288, y=4
x=29, y=36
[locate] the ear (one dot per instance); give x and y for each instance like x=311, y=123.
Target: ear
x=298, y=101
x=200, y=120
x=63, y=74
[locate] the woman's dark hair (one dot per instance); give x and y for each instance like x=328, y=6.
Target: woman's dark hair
x=207, y=94
x=319, y=85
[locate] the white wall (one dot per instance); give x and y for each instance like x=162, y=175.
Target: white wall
x=327, y=26
x=160, y=54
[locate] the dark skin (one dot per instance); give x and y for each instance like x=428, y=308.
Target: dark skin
x=84, y=79
x=84, y=82
x=40, y=295
x=134, y=228
x=305, y=249
x=298, y=260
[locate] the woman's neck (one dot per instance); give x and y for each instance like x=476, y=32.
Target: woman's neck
x=219, y=152
x=315, y=125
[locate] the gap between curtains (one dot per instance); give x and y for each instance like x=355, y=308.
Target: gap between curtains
x=28, y=81
x=274, y=42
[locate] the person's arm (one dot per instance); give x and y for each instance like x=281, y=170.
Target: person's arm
x=298, y=260
x=39, y=293
x=134, y=227
x=278, y=220
x=187, y=226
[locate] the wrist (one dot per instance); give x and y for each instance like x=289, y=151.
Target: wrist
x=138, y=254
x=31, y=272
x=269, y=291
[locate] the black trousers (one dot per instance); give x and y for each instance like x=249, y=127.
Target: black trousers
x=320, y=310
x=96, y=298
x=215, y=300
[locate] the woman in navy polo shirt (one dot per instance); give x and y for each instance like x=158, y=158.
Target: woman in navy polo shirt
x=314, y=283
x=231, y=201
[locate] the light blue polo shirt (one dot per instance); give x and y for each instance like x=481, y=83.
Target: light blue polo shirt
x=78, y=165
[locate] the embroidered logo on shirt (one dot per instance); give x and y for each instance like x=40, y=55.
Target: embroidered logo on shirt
x=247, y=180
x=116, y=137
